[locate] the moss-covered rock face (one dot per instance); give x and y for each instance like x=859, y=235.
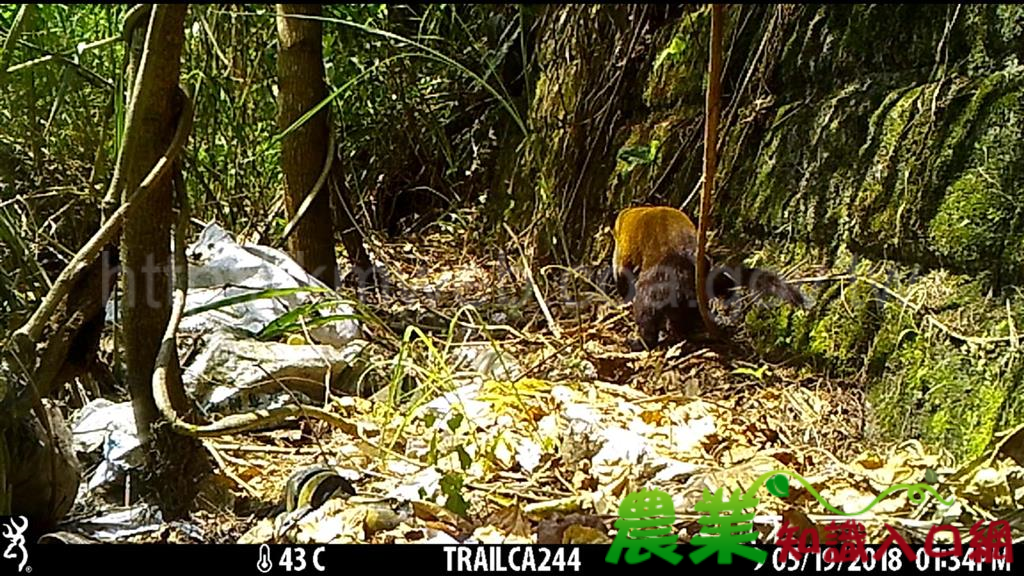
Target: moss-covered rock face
x=951, y=398
x=892, y=142
x=977, y=224
x=920, y=380
x=677, y=73
x=589, y=67
x=884, y=141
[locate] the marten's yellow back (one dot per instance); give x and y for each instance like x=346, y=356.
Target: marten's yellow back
x=645, y=235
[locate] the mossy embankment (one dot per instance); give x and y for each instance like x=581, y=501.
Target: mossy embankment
x=883, y=142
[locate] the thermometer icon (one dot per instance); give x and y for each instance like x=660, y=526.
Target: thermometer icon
x=264, y=565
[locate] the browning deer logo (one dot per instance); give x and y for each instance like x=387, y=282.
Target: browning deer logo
x=15, y=535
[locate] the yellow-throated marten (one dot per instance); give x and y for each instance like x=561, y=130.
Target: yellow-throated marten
x=654, y=264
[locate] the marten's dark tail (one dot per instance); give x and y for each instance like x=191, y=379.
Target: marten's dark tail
x=758, y=280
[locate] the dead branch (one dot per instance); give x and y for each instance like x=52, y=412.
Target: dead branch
x=712, y=105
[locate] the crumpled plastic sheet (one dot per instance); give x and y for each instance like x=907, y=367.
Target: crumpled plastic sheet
x=219, y=268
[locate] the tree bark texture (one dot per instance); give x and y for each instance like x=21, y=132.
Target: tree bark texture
x=146, y=239
x=304, y=151
x=174, y=462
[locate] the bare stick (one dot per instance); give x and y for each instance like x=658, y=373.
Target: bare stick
x=552, y=324
x=711, y=107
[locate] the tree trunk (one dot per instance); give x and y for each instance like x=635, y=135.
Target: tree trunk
x=304, y=151
x=151, y=123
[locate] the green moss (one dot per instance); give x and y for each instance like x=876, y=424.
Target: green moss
x=1014, y=252
x=960, y=127
x=882, y=197
x=927, y=385
x=971, y=223
x=921, y=383
x=898, y=329
x=844, y=333
x=1007, y=27
x=1012, y=412
x=679, y=67
x=942, y=395
x=773, y=328
x=807, y=167
x=765, y=183
x=975, y=228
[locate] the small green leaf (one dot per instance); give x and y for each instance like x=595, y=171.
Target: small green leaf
x=451, y=487
x=759, y=373
x=432, y=454
x=635, y=154
x=464, y=458
x=675, y=48
x=454, y=421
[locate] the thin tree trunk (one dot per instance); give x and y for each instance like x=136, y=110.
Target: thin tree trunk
x=711, y=108
x=304, y=151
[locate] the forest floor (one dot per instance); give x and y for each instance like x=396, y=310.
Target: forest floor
x=537, y=434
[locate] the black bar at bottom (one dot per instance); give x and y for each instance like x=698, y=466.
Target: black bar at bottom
x=423, y=559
